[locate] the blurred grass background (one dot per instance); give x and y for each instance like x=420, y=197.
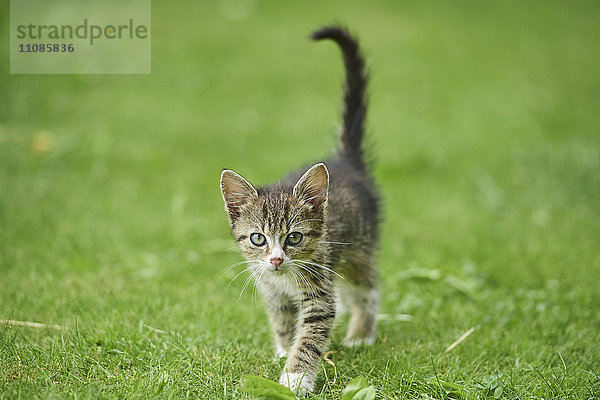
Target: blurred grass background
x=484, y=125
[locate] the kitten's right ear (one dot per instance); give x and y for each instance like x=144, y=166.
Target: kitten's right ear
x=236, y=192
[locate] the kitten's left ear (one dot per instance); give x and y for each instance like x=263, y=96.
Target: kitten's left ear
x=313, y=187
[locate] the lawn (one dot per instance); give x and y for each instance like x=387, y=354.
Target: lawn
x=485, y=126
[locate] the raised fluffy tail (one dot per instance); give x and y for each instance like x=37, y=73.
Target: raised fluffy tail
x=355, y=107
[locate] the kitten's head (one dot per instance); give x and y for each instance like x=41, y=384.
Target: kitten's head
x=276, y=225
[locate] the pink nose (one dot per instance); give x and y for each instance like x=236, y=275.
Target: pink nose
x=276, y=261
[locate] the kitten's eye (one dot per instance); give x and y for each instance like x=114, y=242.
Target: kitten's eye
x=258, y=239
x=293, y=238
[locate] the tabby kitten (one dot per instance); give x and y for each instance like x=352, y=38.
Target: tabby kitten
x=311, y=239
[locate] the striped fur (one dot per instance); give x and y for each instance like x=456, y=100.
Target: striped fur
x=334, y=206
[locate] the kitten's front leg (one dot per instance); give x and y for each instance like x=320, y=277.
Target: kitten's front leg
x=283, y=314
x=316, y=315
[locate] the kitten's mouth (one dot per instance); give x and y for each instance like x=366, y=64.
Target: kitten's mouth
x=278, y=270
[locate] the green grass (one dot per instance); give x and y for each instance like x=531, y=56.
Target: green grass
x=484, y=122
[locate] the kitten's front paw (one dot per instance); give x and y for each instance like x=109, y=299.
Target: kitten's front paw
x=358, y=341
x=281, y=352
x=300, y=384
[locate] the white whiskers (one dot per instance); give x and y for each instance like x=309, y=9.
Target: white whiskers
x=307, y=263
x=254, y=273
x=305, y=281
x=237, y=264
x=253, y=267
